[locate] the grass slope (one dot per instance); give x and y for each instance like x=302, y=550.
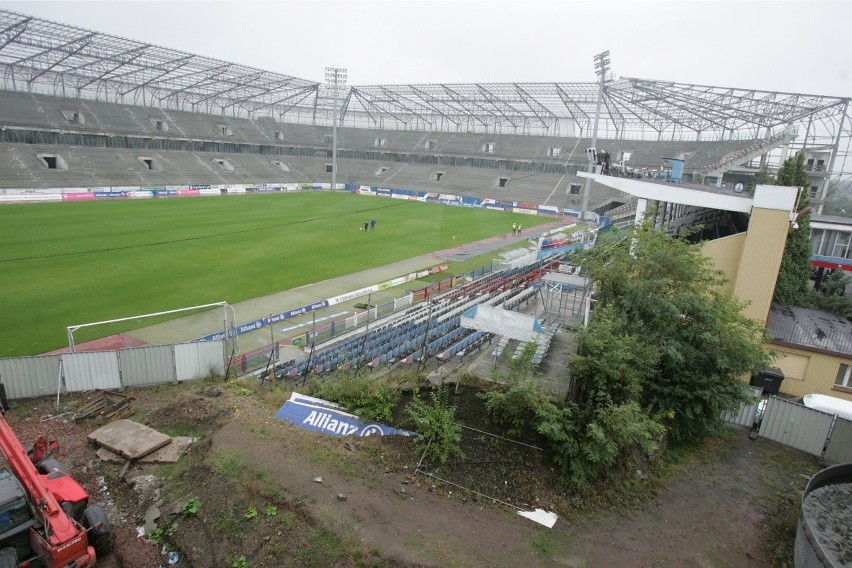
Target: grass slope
x=71, y=263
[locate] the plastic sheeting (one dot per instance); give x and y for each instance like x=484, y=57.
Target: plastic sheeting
x=507, y=323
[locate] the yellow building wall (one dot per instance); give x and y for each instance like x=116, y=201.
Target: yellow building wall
x=807, y=372
x=760, y=260
x=725, y=255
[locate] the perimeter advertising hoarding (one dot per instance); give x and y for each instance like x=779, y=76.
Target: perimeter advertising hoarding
x=141, y=194
x=20, y=197
x=145, y=192
x=324, y=417
x=78, y=196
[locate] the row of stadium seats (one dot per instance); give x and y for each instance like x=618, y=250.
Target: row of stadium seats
x=431, y=328
x=20, y=109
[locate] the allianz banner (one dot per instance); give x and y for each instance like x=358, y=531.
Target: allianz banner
x=325, y=417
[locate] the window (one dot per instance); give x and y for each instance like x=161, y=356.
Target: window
x=381, y=142
x=502, y=181
x=381, y=171
x=814, y=191
x=841, y=245
x=430, y=144
x=282, y=166
x=225, y=130
x=554, y=151
x=820, y=165
x=328, y=138
x=574, y=189
x=844, y=376
x=74, y=117
x=160, y=124
x=488, y=147
x=436, y=176
x=329, y=168
x=53, y=161
x=150, y=163
x=224, y=164
x=279, y=136
x=810, y=164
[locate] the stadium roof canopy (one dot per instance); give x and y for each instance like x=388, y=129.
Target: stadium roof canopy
x=43, y=56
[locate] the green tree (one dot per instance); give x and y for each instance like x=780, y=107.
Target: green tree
x=795, y=271
x=669, y=297
x=608, y=374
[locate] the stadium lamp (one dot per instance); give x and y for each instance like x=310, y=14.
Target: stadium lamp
x=335, y=77
x=601, y=69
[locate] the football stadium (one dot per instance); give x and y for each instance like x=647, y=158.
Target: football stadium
x=168, y=217
x=256, y=185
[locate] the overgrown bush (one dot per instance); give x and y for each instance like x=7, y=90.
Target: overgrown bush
x=436, y=424
x=368, y=399
x=518, y=408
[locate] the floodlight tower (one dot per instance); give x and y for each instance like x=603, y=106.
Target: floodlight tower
x=601, y=70
x=336, y=78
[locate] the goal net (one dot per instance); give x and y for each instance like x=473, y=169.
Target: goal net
x=195, y=323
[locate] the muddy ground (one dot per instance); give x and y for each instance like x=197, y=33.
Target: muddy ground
x=253, y=491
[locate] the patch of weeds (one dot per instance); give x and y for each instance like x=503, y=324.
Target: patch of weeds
x=230, y=465
x=250, y=513
x=229, y=526
x=174, y=470
x=543, y=543
x=158, y=535
x=271, y=511
x=191, y=507
x=240, y=562
x=325, y=456
x=323, y=549
x=239, y=388
x=286, y=521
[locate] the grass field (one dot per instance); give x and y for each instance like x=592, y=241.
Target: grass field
x=70, y=263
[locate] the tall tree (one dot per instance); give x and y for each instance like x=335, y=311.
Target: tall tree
x=668, y=297
x=795, y=271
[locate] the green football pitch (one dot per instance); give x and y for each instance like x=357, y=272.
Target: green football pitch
x=63, y=264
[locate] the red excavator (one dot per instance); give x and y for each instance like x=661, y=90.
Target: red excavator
x=45, y=518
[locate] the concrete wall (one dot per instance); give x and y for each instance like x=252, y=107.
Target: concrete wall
x=725, y=254
x=807, y=372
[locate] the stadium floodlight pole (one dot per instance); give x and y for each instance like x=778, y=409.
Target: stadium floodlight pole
x=601, y=69
x=336, y=77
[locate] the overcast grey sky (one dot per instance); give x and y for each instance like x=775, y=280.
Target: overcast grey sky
x=798, y=46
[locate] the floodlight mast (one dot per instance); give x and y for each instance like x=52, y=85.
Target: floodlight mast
x=336, y=77
x=601, y=70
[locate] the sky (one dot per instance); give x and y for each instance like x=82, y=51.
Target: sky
x=796, y=47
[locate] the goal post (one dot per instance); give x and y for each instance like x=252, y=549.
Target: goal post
x=205, y=322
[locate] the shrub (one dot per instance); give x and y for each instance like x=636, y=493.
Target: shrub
x=369, y=400
x=436, y=426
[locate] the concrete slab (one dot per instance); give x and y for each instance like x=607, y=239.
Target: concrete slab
x=129, y=439
x=170, y=453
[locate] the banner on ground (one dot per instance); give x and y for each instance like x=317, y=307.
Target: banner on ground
x=324, y=417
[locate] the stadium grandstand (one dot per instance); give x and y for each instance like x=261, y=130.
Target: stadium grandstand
x=82, y=109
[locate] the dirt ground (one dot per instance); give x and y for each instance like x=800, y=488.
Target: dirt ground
x=270, y=495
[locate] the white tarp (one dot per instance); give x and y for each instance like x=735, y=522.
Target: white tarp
x=502, y=322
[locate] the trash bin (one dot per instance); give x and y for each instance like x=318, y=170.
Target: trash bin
x=768, y=379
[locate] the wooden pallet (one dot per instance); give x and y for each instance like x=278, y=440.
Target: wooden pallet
x=109, y=405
